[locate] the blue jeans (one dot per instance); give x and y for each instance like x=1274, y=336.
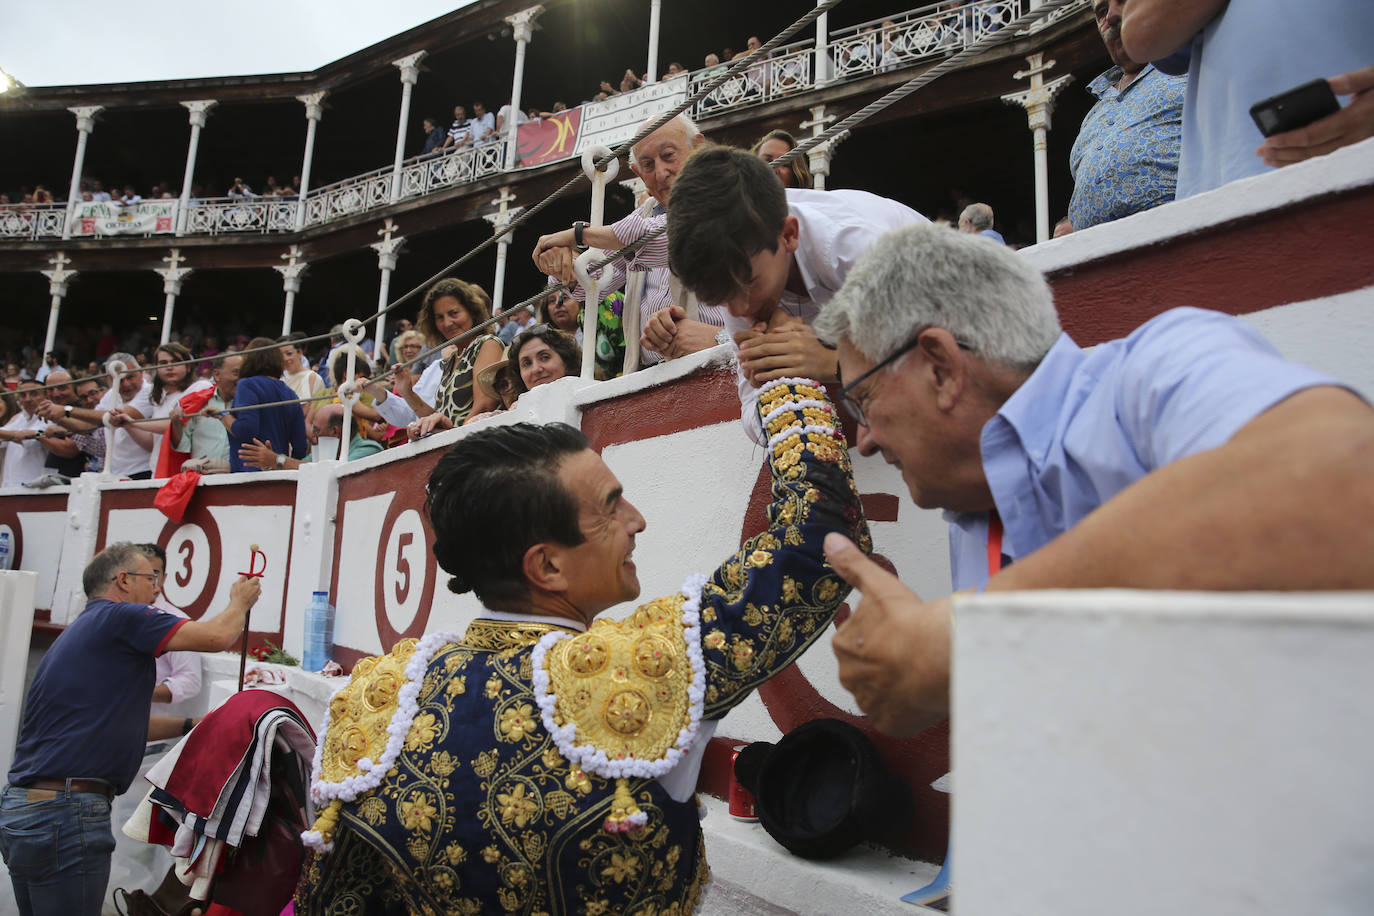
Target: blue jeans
x=57, y=851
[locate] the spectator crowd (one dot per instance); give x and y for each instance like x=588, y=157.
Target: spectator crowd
x=1057, y=468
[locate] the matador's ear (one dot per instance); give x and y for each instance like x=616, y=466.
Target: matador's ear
x=545, y=567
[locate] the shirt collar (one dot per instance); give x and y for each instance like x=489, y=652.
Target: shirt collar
x=1107, y=80
x=511, y=617
x=1031, y=414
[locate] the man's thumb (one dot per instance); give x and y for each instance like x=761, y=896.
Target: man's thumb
x=676, y=312
x=849, y=561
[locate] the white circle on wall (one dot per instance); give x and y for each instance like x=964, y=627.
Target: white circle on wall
x=405, y=566
x=188, y=565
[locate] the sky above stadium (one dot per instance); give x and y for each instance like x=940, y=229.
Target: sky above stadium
x=66, y=42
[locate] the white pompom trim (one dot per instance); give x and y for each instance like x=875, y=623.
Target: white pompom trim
x=790, y=406
x=808, y=429
x=315, y=840
x=789, y=382
x=594, y=760
x=350, y=787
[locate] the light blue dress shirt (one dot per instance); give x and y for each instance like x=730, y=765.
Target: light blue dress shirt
x=1249, y=52
x=1086, y=425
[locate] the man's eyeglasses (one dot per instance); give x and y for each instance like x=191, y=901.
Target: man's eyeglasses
x=851, y=404
x=153, y=576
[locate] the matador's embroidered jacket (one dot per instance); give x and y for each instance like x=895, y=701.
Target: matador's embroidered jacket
x=514, y=769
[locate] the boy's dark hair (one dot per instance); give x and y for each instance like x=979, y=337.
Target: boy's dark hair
x=726, y=207
x=266, y=362
x=494, y=495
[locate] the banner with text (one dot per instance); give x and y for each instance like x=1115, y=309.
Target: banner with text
x=109, y=218
x=614, y=120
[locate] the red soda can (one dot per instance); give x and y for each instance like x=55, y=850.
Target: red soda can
x=741, y=799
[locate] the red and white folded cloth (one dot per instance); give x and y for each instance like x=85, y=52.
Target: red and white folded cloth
x=216, y=783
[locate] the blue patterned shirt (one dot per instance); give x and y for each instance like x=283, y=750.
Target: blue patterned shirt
x=1126, y=156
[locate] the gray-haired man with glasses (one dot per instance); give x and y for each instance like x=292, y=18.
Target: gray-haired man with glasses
x=1188, y=455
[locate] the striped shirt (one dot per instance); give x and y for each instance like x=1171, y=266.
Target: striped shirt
x=649, y=266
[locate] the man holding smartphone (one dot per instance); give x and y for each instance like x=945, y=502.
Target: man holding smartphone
x=1240, y=53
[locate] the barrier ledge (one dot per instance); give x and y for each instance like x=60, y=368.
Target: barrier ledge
x=1142, y=752
x=1346, y=170
x=752, y=873
x=720, y=356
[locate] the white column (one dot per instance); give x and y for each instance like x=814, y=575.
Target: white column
x=522, y=24
x=85, y=123
x=57, y=286
x=171, y=275
x=410, y=74
x=1038, y=101
x=198, y=110
x=822, y=74
x=655, y=9
x=291, y=273
x=314, y=110
x=387, y=250
x=819, y=158
x=500, y=222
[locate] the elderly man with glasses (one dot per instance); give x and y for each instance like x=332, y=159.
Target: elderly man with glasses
x=1188, y=455
x=85, y=723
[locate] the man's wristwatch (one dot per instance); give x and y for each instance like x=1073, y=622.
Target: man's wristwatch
x=578, y=228
x=67, y=409
x=281, y=461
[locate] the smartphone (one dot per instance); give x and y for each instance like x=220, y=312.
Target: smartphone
x=1298, y=107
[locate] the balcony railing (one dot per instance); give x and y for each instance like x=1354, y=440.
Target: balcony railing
x=856, y=52
x=32, y=221
x=348, y=197
x=220, y=215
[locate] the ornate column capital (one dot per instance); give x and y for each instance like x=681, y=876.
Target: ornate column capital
x=199, y=108
x=389, y=247
x=292, y=270
x=522, y=23
x=500, y=221
x=85, y=116
x=1038, y=99
x=410, y=67
x=59, y=275
x=173, y=273
x=314, y=108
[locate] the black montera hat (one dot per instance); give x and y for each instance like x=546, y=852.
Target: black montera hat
x=822, y=789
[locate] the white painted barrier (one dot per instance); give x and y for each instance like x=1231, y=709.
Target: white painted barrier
x=1163, y=752
x=17, y=590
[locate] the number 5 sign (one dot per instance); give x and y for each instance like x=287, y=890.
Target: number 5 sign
x=405, y=575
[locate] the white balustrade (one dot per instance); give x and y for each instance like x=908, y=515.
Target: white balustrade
x=220, y=215
x=32, y=221
x=349, y=196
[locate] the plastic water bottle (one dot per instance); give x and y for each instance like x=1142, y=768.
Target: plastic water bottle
x=319, y=632
x=4, y=550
